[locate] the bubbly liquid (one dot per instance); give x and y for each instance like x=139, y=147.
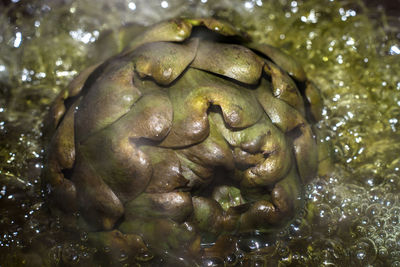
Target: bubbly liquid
x=352, y=214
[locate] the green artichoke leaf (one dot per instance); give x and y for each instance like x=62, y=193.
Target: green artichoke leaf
x=212, y=152
x=98, y=107
x=284, y=87
x=165, y=235
x=306, y=153
x=195, y=173
x=118, y=243
x=122, y=164
x=164, y=61
x=223, y=250
x=233, y=61
x=289, y=120
x=76, y=85
x=208, y=215
x=219, y=26
x=193, y=94
x=314, y=98
x=58, y=109
x=174, y=205
x=267, y=141
x=286, y=62
x=167, y=170
x=99, y=205
x=61, y=157
x=114, y=41
x=227, y=196
x=174, y=30
x=62, y=146
x=285, y=200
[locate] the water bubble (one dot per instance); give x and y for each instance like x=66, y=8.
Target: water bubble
x=144, y=256
x=365, y=250
x=361, y=255
x=84, y=236
x=383, y=253
x=395, y=211
x=132, y=6
x=69, y=256
x=373, y=210
x=370, y=229
x=378, y=222
x=55, y=255
x=164, y=4
x=389, y=229
x=382, y=234
x=379, y=241
x=231, y=260
x=212, y=262
x=327, y=252
x=123, y=256
x=390, y=244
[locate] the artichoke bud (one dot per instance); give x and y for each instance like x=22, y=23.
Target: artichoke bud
x=184, y=128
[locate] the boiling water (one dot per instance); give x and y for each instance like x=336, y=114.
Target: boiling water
x=352, y=213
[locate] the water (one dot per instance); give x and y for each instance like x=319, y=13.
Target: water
x=352, y=214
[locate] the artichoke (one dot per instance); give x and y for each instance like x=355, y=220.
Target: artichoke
x=193, y=130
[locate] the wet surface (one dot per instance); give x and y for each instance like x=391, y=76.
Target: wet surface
x=352, y=213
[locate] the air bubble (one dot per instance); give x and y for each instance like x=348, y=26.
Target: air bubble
x=361, y=255
x=365, y=250
x=373, y=210
x=378, y=222
x=383, y=253
x=390, y=244
x=123, y=256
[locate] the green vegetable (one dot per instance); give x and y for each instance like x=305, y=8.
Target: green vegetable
x=192, y=130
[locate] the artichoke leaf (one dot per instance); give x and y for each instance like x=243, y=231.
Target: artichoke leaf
x=167, y=171
x=174, y=30
x=98, y=203
x=268, y=142
x=76, y=85
x=98, y=107
x=174, y=205
x=121, y=163
x=227, y=196
x=208, y=215
x=164, y=234
x=285, y=200
x=314, y=98
x=61, y=157
x=194, y=93
x=213, y=151
x=290, y=121
x=195, y=173
x=62, y=146
x=286, y=62
x=283, y=87
x=221, y=27
x=233, y=61
x=117, y=242
x=306, y=153
x=58, y=108
x=164, y=61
